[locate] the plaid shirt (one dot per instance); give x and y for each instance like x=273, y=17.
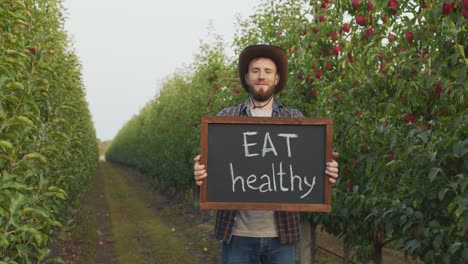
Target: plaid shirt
x=288, y=223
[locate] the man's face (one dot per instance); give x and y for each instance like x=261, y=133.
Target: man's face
x=262, y=78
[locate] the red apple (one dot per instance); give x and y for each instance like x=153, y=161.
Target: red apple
x=464, y=4
x=465, y=12
x=370, y=5
x=409, y=118
x=346, y=27
x=392, y=6
x=447, y=8
x=318, y=74
x=334, y=36
x=409, y=36
x=360, y=20
x=369, y=32
x=355, y=4
x=438, y=88
x=336, y=50
x=313, y=93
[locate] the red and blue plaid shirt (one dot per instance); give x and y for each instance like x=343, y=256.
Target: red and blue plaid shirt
x=288, y=223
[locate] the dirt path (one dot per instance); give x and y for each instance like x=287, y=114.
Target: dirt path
x=121, y=221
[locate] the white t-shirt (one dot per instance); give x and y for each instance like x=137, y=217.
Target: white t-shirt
x=256, y=223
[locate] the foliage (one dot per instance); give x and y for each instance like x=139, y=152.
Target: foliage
x=48, y=146
x=392, y=74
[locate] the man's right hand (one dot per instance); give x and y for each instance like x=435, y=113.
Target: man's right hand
x=199, y=171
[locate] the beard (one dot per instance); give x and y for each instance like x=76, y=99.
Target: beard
x=261, y=95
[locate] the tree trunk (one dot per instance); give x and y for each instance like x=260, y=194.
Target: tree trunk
x=379, y=237
x=304, y=250
x=196, y=196
x=378, y=253
x=313, y=242
x=346, y=253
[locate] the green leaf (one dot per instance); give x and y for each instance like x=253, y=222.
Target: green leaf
x=460, y=50
x=434, y=223
x=32, y=231
x=412, y=245
x=442, y=194
x=6, y=145
x=36, y=156
x=433, y=173
x=15, y=86
x=437, y=241
x=20, y=120
x=455, y=247
x=14, y=185
x=16, y=202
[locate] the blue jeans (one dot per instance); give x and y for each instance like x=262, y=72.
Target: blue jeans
x=253, y=250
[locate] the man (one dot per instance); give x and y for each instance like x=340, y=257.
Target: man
x=260, y=236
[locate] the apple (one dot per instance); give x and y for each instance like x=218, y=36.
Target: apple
x=438, y=88
x=465, y=12
x=318, y=74
x=360, y=20
x=334, y=36
x=355, y=4
x=409, y=36
x=313, y=93
x=346, y=27
x=409, y=118
x=336, y=50
x=392, y=6
x=447, y=8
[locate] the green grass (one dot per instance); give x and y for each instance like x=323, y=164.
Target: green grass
x=138, y=233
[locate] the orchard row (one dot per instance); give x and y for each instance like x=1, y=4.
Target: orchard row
x=48, y=147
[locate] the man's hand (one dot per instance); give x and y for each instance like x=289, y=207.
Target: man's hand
x=199, y=171
x=332, y=168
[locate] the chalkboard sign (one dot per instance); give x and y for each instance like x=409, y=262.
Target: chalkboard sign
x=266, y=163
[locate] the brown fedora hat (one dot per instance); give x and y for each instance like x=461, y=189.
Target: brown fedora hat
x=277, y=54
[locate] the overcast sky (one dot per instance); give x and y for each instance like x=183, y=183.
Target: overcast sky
x=127, y=47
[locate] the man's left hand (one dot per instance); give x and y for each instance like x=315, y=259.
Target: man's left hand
x=332, y=168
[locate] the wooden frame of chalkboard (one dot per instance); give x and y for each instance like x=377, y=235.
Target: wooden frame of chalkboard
x=266, y=163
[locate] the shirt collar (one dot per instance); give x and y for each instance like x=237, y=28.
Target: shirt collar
x=276, y=106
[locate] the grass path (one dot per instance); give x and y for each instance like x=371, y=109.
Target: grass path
x=139, y=235
x=122, y=222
